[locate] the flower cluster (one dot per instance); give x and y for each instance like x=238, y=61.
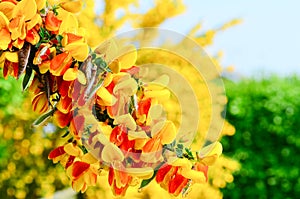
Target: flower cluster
x=114, y=121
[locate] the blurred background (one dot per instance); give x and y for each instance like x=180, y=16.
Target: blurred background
x=255, y=45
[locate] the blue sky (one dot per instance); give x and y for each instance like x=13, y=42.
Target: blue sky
x=268, y=40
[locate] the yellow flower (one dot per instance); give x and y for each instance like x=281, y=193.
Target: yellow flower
x=71, y=5
x=24, y=11
x=73, y=37
x=40, y=103
x=6, y=8
x=4, y=32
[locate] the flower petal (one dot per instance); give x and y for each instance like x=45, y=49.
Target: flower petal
x=60, y=63
x=78, y=50
x=6, y=8
x=37, y=19
x=111, y=153
x=52, y=22
x=196, y=176
x=40, y=4
x=40, y=103
x=72, y=6
x=26, y=8
x=128, y=57
x=72, y=149
x=107, y=97
x=70, y=74
x=168, y=133
x=4, y=39
x=127, y=120
x=56, y=152
x=3, y=20
x=79, y=168
x=69, y=22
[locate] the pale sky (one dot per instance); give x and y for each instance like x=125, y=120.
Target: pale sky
x=268, y=40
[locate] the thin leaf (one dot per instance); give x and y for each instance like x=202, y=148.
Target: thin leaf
x=43, y=118
x=26, y=78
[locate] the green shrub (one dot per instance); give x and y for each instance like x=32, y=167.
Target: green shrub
x=266, y=115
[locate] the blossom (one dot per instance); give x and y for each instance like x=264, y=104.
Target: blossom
x=65, y=154
x=60, y=63
x=9, y=63
x=119, y=181
x=162, y=133
x=52, y=22
x=24, y=19
x=174, y=177
x=5, y=38
x=82, y=175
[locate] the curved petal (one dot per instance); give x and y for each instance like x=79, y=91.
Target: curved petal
x=79, y=168
x=69, y=22
x=70, y=74
x=4, y=39
x=128, y=57
x=111, y=153
x=40, y=4
x=78, y=50
x=60, y=63
x=196, y=176
x=3, y=20
x=40, y=103
x=6, y=8
x=34, y=21
x=72, y=6
x=168, y=133
x=26, y=8
x=107, y=98
x=52, y=22
x=72, y=149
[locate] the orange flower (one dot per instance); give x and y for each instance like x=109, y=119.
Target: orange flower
x=82, y=175
x=163, y=132
x=17, y=27
x=9, y=62
x=59, y=154
x=119, y=137
x=52, y=22
x=60, y=63
x=119, y=181
x=61, y=119
x=10, y=68
x=65, y=154
x=174, y=178
x=24, y=18
x=5, y=37
x=32, y=36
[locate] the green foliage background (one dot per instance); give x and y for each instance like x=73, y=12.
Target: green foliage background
x=266, y=115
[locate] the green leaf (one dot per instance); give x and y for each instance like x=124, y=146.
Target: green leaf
x=43, y=118
x=26, y=78
x=59, y=39
x=147, y=181
x=189, y=154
